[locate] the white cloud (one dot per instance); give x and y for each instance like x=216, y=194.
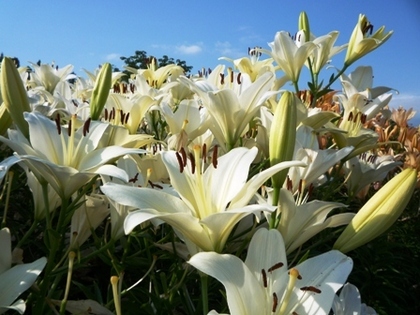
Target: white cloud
x=189, y=49
x=112, y=56
x=225, y=49
x=405, y=100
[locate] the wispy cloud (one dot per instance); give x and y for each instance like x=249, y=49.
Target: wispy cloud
x=189, y=49
x=226, y=49
x=112, y=57
x=406, y=100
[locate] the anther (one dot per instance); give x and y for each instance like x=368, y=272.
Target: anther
x=106, y=114
x=192, y=160
x=264, y=278
x=58, y=123
x=238, y=78
x=350, y=116
x=184, y=156
x=363, y=118
x=204, y=153
x=122, y=117
x=181, y=164
x=126, y=118
x=214, y=157
x=275, y=267
x=311, y=289
x=134, y=179
x=69, y=128
x=222, y=78
x=86, y=126
x=275, y=302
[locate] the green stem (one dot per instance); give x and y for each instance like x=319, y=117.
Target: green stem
x=204, y=292
x=273, y=222
x=27, y=234
x=9, y=180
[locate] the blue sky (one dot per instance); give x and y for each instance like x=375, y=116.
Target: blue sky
x=88, y=33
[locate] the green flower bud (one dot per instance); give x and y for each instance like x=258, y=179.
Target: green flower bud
x=14, y=94
x=5, y=119
x=379, y=213
x=101, y=91
x=304, y=25
x=283, y=135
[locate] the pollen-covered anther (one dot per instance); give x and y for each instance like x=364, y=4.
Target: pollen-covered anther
x=184, y=156
x=180, y=162
x=58, y=123
x=204, y=152
x=86, y=126
x=134, y=179
x=238, y=78
x=275, y=302
x=69, y=128
x=264, y=277
x=222, y=78
x=214, y=157
x=275, y=267
x=311, y=289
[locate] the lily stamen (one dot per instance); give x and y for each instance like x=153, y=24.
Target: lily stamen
x=214, y=157
x=275, y=267
x=311, y=289
x=264, y=278
x=275, y=302
x=58, y=123
x=86, y=126
x=180, y=162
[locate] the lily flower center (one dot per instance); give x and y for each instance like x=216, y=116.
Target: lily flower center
x=71, y=143
x=354, y=123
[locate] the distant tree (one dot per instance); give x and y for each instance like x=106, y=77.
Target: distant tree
x=140, y=60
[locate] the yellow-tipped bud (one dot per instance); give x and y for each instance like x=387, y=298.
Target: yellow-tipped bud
x=283, y=135
x=304, y=25
x=379, y=213
x=14, y=94
x=101, y=91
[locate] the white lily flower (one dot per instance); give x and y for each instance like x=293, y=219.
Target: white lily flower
x=49, y=76
x=252, y=65
x=290, y=55
x=360, y=81
x=298, y=223
x=349, y=302
x=212, y=200
x=65, y=158
x=232, y=109
x=318, y=163
x=324, y=50
x=366, y=169
x=264, y=285
x=15, y=280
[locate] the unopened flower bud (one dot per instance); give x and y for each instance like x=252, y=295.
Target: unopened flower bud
x=14, y=94
x=379, y=213
x=101, y=91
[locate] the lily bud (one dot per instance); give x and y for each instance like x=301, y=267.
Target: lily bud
x=304, y=25
x=101, y=91
x=361, y=44
x=14, y=94
x=379, y=213
x=5, y=119
x=283, y=136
